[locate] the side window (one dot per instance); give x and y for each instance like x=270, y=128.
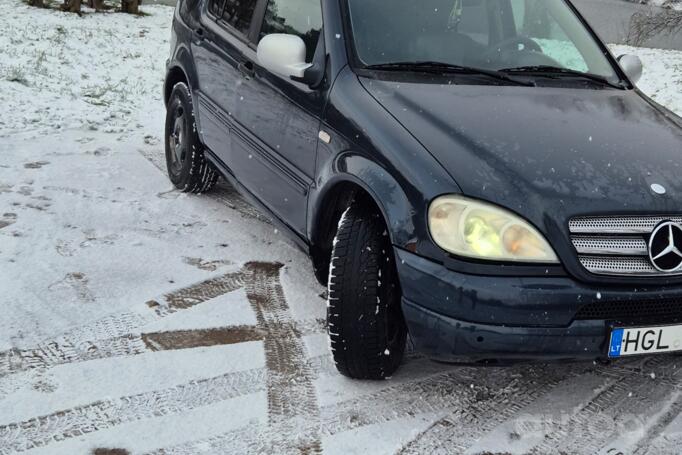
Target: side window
x=295, y=17
x=238, y=13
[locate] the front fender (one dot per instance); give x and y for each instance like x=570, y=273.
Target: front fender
x=181, y=63
x=384, y=189
x=367, y=147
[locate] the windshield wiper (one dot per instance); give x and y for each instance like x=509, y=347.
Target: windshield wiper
x=446, y=68
x=554, y=71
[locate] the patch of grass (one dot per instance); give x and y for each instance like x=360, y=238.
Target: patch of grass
x=39, y=64
x=17, y=74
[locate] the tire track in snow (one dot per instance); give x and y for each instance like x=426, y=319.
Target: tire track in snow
x=582, y=432
x=292, y=398
x=191, y=296
x=81, y=420
x=113, y=335
x=187, y=339
x=287, y=379
x=411, y=398
x=433, y=394
x=53, y=354
x=458, y=430
x=227, y=195
x=110, y=336
x=223, y=192
x=100, y=415
x=491, y=397
x=654, y=439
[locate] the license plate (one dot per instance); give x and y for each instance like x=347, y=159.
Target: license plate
x=647, y=340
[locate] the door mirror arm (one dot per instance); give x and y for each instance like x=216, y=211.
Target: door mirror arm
x=314, y=76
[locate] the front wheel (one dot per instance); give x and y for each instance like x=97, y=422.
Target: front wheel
x=366, y=325
x=188, y=168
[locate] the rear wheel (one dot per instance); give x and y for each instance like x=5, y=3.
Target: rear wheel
x=366, y=325
x=188, y=168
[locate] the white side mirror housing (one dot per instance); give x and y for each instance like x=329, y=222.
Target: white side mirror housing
x=283, y=54
x=632, y=67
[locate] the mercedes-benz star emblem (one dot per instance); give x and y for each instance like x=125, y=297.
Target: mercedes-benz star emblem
x=658, y=188
x=664, y=247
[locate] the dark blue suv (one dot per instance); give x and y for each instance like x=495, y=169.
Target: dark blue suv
x=481, y=175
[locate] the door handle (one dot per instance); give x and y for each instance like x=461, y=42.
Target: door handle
x=247, y=69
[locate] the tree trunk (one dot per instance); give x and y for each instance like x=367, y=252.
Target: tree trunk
x=130, y=6
x=72, y=6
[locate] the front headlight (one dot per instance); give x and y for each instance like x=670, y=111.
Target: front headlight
x=466, y=227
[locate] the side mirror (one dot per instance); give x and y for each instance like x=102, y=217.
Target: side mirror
x=632, y=67
x=283, y=54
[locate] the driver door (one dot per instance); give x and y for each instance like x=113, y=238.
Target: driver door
x=277, y=120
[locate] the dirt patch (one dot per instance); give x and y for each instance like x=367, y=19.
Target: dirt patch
x=187, y=339
x=7, y=219
x=25, y=190
x=110, y=452
x=77, y=281
x=36, y=164
x=39, y=207
x=290, y=386
x=199, y=293
x=100, y=151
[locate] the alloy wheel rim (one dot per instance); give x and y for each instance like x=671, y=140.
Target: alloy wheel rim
x=177, y=141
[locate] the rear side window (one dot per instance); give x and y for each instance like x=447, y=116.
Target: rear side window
x=295, y=17
x=237, y=13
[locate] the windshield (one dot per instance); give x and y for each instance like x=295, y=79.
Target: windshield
x=491, y=34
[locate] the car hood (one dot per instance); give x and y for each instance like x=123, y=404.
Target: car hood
x=546, y=153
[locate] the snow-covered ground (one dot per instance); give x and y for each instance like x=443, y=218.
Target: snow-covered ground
x=673, y=4
x=136, y=317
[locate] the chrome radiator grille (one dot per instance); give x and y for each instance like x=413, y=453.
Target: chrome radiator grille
x=617, y=245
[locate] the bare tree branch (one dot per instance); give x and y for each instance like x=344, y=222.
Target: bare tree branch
x=646, y=25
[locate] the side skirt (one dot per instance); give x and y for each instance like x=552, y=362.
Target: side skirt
x=225, y=171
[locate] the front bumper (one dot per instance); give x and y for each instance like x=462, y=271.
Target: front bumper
x=454, y=316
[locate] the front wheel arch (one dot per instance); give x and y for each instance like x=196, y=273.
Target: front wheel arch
x=351, y=176
x=334, y=203
x=174, y=77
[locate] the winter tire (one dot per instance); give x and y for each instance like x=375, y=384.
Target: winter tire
x=366, y=326
x=188, y=168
